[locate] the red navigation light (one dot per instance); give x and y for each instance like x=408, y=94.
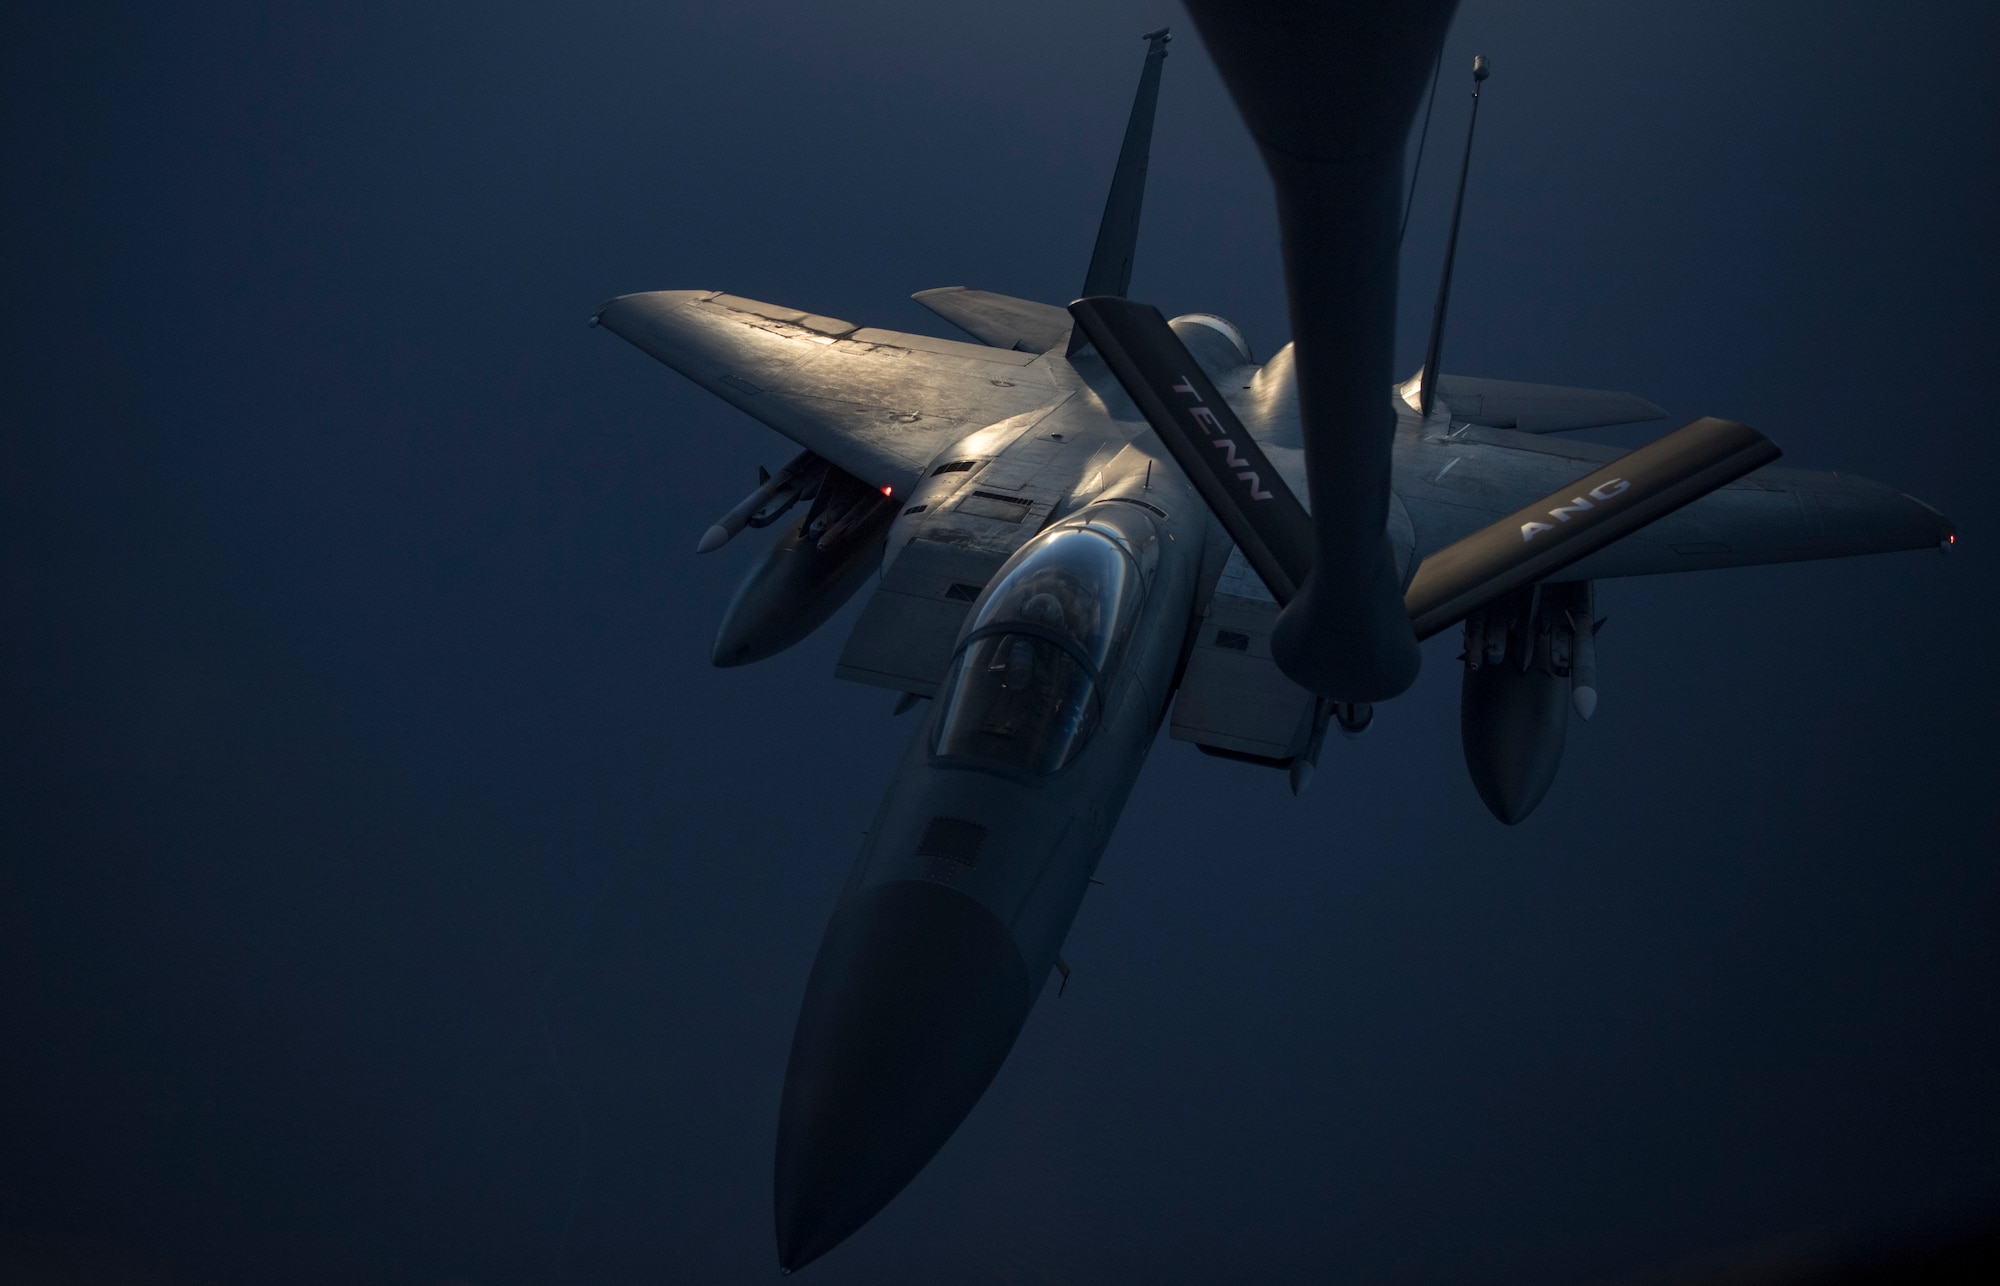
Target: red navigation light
x=885, y=490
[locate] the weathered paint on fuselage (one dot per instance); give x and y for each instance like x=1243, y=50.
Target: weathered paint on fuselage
x=1060, y=822
x=938, y=948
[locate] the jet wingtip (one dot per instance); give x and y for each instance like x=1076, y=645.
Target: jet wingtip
x=1917, y=525
x=1944, y=528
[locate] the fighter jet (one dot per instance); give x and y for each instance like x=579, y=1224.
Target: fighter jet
x=1093, y=520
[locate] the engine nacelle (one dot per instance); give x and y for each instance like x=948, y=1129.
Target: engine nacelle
x=1525, y=659
x=813, y=569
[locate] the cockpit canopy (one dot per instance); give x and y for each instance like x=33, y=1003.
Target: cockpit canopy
x=1025, y=691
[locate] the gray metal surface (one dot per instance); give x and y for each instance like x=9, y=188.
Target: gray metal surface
x=1539, y=408
x=967, y=884
x=877, y=403
x=1110, y=271
x=905, y=635
x=1232, y=696
x=999, y=320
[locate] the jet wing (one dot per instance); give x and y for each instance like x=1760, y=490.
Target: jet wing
x=1452, y=487
x=878, y=403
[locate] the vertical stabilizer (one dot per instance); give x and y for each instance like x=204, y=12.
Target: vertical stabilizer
x=1110, y=271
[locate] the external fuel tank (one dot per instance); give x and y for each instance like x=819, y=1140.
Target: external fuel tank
x=812, y=570
x=1515, y=698
x=1513, y=723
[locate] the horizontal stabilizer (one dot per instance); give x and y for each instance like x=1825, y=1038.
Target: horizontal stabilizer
x=1000, y=320
x=1536, y=408
x=1582, y=518
x=1217, y=453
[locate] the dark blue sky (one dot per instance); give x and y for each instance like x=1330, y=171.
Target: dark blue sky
x=392, y=892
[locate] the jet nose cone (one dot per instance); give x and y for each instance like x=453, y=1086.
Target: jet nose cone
x=734, y=646
x=914, y=1001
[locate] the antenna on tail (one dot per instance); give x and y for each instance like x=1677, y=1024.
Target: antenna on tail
x=1427, y=390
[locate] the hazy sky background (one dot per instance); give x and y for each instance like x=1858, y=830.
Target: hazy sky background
x=392, y=892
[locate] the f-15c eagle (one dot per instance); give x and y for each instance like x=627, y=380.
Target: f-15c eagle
x=1094, y=520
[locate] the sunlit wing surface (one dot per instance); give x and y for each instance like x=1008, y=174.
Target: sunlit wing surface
x=877, y=403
